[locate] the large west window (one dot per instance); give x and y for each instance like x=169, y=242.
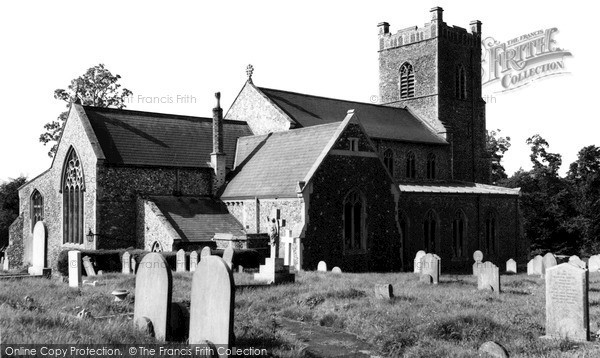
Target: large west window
x=37, y=208
x=72, y=189
x=354, y=221
x=407, y=81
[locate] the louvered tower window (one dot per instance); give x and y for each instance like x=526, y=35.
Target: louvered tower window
x=407, y=81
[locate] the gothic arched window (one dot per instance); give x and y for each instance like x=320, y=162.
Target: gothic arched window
x=431, y=166
x=407, y=81
x=410, y=165
x=156, y=247
x=459, y=228
x=461, y=82
x=72, y=189
x=354, y=221
x=388, y=160
x=430, y=231
x=37, y=208
x=490, y=234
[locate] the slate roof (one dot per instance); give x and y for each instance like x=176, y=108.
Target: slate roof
x=379, y=121
x=457, y=188
x=276, y=162
x=156, y=139
x=197, y=218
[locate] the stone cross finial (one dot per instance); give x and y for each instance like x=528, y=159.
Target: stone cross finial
x=218, y=97
x=249, y=72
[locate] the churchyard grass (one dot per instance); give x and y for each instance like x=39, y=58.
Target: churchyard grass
x=452, y=318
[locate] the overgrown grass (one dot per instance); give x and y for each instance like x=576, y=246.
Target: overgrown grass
x=451, y=319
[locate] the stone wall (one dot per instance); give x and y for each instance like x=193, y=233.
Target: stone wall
x=14, y=252
x=253, y=213
x=152, y=226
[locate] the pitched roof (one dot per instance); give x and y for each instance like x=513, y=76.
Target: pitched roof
x=379, y=121
x=197, y=218
x=157, y=139
x=458, y=188
x=276, y=162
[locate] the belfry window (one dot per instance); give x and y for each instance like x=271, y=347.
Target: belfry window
x=37, y=208
x=407, y=81
x=388, y=160
x=72, y=191
x=354, y=222
x=410, y=165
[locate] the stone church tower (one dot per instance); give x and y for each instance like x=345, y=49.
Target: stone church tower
x=435, y=71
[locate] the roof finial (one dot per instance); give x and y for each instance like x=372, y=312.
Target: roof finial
x=218, y=97
x=249, y=72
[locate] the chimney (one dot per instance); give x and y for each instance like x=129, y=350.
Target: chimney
x=217, y=157
x=436, y=14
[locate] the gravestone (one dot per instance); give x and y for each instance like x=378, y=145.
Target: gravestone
x=489, y=277
x=133, y=264
x=193, y=261
x=567, y=303
x=126, y=263
x=6, y=264
x=38, y=249
x=336, y=270
x=87, y=265
x=153, y=293
x=384, y=291
x=548, y=261
x=74, y=268
x=322, y=266
x=430, y=269
x=511, y=266
x=538, y=264
x=205, y=251
x=493, y=349
x=212, y=304
x=2, y=262
x=228, y=256
x=478, y=257
x=180, y=267
x=530, y=267
x=575, y=260
x=417, y=262
x=594, y=263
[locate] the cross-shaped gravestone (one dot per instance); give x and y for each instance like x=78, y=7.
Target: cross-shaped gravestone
x=89, y=268
x=74, y=268
x=126, y=262
x=180, y=267
x=193, y=260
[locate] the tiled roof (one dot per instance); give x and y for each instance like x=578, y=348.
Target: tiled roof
x=379, y=121
x=276, y=162
x=156, y=139
x=198, y=219
x=458, y=188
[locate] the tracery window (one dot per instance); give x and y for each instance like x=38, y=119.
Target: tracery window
x=407, y=81
x=354, y=221
x=156, y=247
x=37, y=208
x=73, y=188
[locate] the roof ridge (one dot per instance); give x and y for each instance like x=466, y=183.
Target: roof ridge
x=289, y=131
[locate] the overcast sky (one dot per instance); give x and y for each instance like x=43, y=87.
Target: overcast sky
x=326, y=48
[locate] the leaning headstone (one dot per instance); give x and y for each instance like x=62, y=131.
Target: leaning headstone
x=153, y=293
x=205, y=251
x=511, y=266
x=548, y=261
x=74, y=268
x=478, y=257
x=493, y=349
x=87, y=265
x=322, y=266
x=417, y=262
x=38, y=249
x=594, y=263
x=430, y=271
x=336, y=270
x=489, y=277
x=212, y=304
x=228, y=256
x=384, y=291
x=180, y=261
x=126, y=263
x=193, y=261
x=575, y=260
x=538, y=264
x=133, y=264
x=567, y=303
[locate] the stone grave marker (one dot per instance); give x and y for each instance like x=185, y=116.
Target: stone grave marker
x=2, y=262
x=538, y=264
x=530, y=267
x=212, y=304
x=548, y=261
x=575, y=260
x=38, y=249
x=126, y=263
x=322, y=266
x=180, y=267
x=74, y=268
x=87, y=265
x=511, y=266
x=567, y=303
x=133, y=264
x=336, y=270
x=489, y=277
x=384, y=291
x=6, y=266
x=430, y=269
x=594, y=263
x=228, y=256
x=193, y=261
x=493, y=349
x=417, y=262
x=153, y=293
x=478, y=257
x=205, y=251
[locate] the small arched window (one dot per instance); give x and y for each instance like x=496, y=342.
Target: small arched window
x=490, y=234
x=431, y=166
x=37, y=208
x=73, y=187
x=430, y=231
x=156, y=247
x=461, y=82
x=458, y=234
x=407, y=81
x=410, y=165
x=354, y=221
x=388, y=160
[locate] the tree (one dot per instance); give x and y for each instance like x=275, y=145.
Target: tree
x=96, y=87
x=496, y=147
x=9, y=206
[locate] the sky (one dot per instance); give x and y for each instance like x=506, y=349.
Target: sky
x=188, y=50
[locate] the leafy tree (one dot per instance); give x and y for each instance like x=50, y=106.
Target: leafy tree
x=496, y=147
x=96, y=87
x=9, y=206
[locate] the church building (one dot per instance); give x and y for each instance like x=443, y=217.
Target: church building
x=361, y=186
